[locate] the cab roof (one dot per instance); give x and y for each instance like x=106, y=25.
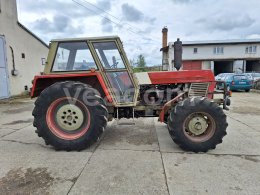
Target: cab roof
x=86, y=39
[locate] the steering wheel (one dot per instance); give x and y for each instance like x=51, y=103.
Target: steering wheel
x=115, y=63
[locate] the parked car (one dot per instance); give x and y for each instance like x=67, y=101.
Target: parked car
x=220, y=77
x=254, y=76
x=238, y=82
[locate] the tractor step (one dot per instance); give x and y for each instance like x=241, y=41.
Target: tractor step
x=125, y=123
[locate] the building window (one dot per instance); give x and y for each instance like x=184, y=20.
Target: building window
x=251, y=49
x=218, y=50
x=195, y=50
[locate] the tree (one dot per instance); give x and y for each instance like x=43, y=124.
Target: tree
x=140, y=64
x=132, y=62
x=141, y=61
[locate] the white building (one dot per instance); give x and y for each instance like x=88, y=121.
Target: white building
x=21, y=52
x=219, y=56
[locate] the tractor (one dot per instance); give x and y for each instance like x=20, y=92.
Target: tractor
x=89, y=81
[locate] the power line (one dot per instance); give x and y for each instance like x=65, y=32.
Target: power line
x=108, y=19
x=118, y=19
x=101, y=10
x=95, y=12
x=116, y=23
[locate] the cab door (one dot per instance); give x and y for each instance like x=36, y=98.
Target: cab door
x=116, y=72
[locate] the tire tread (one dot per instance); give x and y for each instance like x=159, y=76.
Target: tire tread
x=99, y=111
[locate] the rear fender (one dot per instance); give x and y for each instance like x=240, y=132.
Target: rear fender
x=94, y=79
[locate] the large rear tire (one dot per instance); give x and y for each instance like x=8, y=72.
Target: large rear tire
x=197, y=124
x=69, y=116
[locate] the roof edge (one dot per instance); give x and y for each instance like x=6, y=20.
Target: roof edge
x=85, y=38
x=220, y=42
x=31, y=33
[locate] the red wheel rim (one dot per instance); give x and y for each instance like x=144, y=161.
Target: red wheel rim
x=56, y=129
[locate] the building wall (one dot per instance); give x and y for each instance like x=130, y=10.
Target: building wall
x=206, y=53
x=192, y=65
x=230, y=52
x=22, y=42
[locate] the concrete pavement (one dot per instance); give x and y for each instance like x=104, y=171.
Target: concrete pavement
x=140, y=159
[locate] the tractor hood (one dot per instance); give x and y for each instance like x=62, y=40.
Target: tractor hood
x=172, y=77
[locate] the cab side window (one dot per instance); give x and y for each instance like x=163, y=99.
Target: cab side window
x=73, y=56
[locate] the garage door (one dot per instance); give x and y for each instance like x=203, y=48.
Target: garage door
x=4, y=87
x=192, y=65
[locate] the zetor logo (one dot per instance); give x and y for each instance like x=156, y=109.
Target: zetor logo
x=150, y=97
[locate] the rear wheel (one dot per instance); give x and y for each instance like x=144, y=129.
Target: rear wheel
x=247, y=90
x=67, y=122
x=197, y=125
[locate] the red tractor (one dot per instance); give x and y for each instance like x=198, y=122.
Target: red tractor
x=88, y=82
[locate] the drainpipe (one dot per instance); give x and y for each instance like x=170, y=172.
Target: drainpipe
x=14, y=72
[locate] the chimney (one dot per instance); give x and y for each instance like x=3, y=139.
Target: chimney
x=164, y=37
x=165, y=63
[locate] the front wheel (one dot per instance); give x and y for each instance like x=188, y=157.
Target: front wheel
x=69, y=116
x=197, y=124
x=247, y=90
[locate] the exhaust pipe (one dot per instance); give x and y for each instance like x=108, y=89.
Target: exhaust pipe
x=178, y=54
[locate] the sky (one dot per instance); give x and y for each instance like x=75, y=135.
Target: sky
x=139, y=22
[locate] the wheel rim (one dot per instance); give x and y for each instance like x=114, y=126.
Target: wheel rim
x=199, y=127
x=70, y=117
x=66, y=120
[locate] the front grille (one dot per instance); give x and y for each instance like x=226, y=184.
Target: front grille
x=198, y=89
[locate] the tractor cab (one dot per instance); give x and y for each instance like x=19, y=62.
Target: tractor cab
x=102, y=56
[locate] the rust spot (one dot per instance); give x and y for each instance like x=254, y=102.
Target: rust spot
x=29, y=181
